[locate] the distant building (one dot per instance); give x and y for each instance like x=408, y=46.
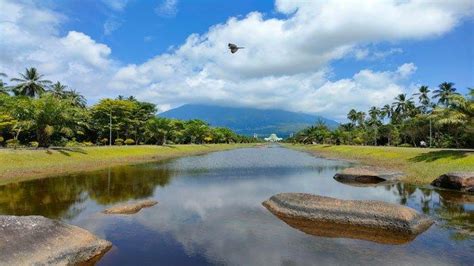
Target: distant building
x=273, y=138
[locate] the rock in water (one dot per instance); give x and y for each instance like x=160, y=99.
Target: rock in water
x=462, y=181
x=130, y=208
x=36, y=240
x=360, y=219
x=367, y=175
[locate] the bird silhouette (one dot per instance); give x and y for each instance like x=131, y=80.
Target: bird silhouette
x=234, y=48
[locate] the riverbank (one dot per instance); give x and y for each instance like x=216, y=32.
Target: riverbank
x=24, y=164
x=421, y=166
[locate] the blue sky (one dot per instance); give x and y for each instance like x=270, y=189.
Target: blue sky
x=299, y=56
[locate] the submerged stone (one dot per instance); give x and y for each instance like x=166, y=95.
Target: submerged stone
x=366, y=175
x=36, y=240
x=130, y=208
x=375, y=221
x=462, y=181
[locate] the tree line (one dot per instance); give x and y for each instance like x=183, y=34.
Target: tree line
x=434, y=118
x=38, y=113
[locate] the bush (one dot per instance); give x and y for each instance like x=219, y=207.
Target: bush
x=405, y=145
x=12, y=143
x=34, y=144
x=87, y=143
x=72, y=143
x=118, y=142
x=129, y=142
x=1, y=139
x=104, y=141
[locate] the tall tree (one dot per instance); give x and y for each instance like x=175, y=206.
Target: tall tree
x=58, y=90
x=444, y=91
x=30, y=83
x=76, y=98
x=402, y=106
x=423, y=98
x=352, y=116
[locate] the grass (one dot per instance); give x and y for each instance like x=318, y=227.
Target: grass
x=23, y=164
x=421, y=166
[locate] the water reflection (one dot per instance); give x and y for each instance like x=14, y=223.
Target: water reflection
x=60, y=197
x=210, y=212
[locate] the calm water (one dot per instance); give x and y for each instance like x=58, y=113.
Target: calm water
x=210, y=212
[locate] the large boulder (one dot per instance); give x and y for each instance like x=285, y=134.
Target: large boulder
x=367, y=175
x=462, y=181
x=36, y=240
x=359, y=219
x=130, y=208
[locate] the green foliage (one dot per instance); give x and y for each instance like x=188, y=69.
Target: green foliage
x=450, y=123
x=56, y=115
x=118, y=142
x=34, y=144
x=129, y=142
x=12, y=143
x=405, y=145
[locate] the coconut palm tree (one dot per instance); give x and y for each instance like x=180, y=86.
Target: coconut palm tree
x=31, y=83
x=444, y=91
x=423, y=98
x=352, y=116
x=58, y=90
x=76, y=98
x=386, y=111
x=3, y=86
x=402, y=106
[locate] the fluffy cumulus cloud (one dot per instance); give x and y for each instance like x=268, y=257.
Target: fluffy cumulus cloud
x=285, y=63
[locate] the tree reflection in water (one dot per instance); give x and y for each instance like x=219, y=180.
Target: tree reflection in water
x=450, y=208
x=60, y=197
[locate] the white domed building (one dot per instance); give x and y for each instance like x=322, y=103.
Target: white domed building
x=273, y=138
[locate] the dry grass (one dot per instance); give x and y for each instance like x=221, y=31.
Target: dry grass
x=421, y=166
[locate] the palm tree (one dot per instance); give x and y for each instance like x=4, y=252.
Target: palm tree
x=374, y=122
x=360, y=118
x=352, y=116
x=402, y=106
x=386, y=111
x=444, y=91
x=3, y=86
x=30, y=83
x=76, y=98
x=58, y=90
x=423, y=98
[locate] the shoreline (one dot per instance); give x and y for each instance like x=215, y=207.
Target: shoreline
x=420, y=165
x=28, y=164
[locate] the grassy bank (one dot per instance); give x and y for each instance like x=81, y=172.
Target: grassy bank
x=24, y=164
x=421, y=166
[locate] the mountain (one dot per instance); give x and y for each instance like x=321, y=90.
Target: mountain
x=247, y=121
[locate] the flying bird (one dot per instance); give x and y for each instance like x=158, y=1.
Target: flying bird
x=234, y=48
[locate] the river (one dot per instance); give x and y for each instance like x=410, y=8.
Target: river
x=210, y=212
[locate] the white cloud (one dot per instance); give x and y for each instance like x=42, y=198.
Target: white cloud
x=284, y=63
x=167, y=8
x=111, y=25
x=116, y=5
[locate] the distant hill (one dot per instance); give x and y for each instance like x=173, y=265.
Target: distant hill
x=247, y=121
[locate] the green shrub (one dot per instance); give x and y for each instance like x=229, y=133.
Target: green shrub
x=104, y=141
x=1, y=139
x=12, y=143
x=118, y=142
x=87, y=143
x=129, y=142
x=405, y=145
x=72, y=143
x=34, y=144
